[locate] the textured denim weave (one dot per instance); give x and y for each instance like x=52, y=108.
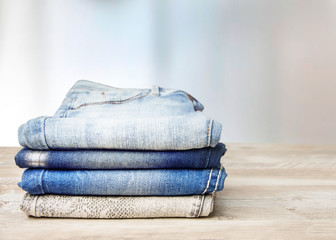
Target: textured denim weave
x=120, y=159
x=64, y=206
x=160, y=182
x=96, y=116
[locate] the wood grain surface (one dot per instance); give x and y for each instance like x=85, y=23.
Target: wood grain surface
x=271, y=192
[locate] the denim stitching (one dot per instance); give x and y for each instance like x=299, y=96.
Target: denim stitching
x=208, y=181
x=41, y=180
x=201, y=206
x=207, y=139
x=209, y=130
x=34, y=205
x=44, y=135
x=208, y=158
x=217, y=180
x=138, y=96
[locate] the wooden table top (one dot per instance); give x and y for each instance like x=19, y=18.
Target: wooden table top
x=271, y=192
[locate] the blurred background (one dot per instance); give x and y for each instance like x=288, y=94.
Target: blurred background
x=266, y=69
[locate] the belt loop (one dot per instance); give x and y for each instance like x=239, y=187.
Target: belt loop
x=156, y=90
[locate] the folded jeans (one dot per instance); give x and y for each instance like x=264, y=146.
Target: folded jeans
x=63, y=206
x=149, y=182
x=120, y=159
x=96, y=116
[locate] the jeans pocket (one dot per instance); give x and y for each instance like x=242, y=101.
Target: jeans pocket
x=86, y=93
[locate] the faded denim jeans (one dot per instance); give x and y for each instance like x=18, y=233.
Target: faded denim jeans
x=146, y=182
x=120, y=159
x=96, y=116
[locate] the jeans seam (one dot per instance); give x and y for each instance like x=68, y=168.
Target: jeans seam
x=217, y=181
x=138, y=96
x=201, y=206
x=34, y=205
x=41, y=181
x=44, y=134
x=208, y=184
x=209, y=132
x=208, y=158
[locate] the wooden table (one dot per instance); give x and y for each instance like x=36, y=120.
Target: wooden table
x=271, y=192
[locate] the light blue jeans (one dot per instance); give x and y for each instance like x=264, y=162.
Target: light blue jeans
x=96, y=116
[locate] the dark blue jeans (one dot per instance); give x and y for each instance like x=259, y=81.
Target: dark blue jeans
x=120, y=159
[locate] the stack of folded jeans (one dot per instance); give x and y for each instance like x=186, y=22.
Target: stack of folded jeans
x=121, y=153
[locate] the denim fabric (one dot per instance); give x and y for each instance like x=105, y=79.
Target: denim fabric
x=159, y=182
x=64, y=206
x=96, y=116
x=120, y=159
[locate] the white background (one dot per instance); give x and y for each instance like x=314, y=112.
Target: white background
x=266, y=69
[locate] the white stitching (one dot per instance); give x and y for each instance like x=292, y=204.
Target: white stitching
x=209, y=132
x=217, y=179
x=208, y=182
